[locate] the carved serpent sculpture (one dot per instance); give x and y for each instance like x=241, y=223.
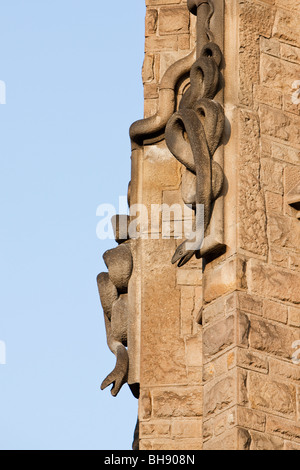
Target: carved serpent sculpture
x=113, y=290
x=193, y=134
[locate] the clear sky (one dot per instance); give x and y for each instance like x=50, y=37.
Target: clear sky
x=72, y=70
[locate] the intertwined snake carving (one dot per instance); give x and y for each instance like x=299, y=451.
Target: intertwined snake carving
x=193, y=135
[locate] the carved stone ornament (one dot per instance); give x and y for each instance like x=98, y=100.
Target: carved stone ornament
x=194, y=133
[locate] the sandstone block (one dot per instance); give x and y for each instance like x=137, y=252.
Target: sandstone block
x=280, y=125
x=177, y=402
x=219, y=396
x=273, y=339
x=279, y=74
x=145, y=404
x=268, y=280
x=186, y=310
x=272, y=175
x=290, y=53
x=285, y=153
x=285, y=371
x=151, y=21
x=264, y=441
x=154, y=428
x=251, y=419
x=270, y=46
x=194, y=351
x=188, y=428
x=286, y=27
x=272, y=396
x=252, y=360
x=294, y=316
x=218, y=337
x=284, y=232
x=275, y=311
x=174, y=20
x=250, y=303
x=283, y=428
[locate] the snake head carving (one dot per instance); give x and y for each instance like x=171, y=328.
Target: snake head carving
x=182, y=255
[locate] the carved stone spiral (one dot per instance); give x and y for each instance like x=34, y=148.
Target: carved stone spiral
x=193, y=135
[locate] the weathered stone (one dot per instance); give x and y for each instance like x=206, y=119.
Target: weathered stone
x=270, y=395
x=243, y=329
x=252, y=213
x=294, y=316
x=227, y=441
x=148, y=68
x=272, y=175
x=270, y=46
x=285, y=153
x=279, y=125
x=191, y=428
x=177, y=402
x=145, y=404
x=155, y=429
x=278, y=73
x=290, y=53
x=224, y=421
x=275, y=311
x=274, y=203
x=213, y=311
x=219, y=396
x=283, y=428
x=268, y=281
x=284, y=232
x=218, y=337
x=279, y=257
x=271, y=338
x=171, y=444
x=186, y=310
x=252, y=360
x=285, y=371
x=151, y=21
x=174, y=20
x=189, y=277
x=264, y=441
x=242, y=387
x=194, y=351
x=224, y=278
x=286, y=27
x=268, y=96
x=255, y=20
x=215, y=369
x=251, y=419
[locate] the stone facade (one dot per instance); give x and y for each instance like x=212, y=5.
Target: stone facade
x=216, y=342
x=251, y=372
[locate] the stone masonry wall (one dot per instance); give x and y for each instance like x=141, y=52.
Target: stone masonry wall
x=252, y=295
x=230, y=383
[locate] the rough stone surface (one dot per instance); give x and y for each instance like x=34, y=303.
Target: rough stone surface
x=217, y=338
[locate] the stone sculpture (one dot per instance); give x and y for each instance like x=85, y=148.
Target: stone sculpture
x=194, y=133
x=113, y=290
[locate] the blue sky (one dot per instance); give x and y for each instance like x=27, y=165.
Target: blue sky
x=72, y=70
